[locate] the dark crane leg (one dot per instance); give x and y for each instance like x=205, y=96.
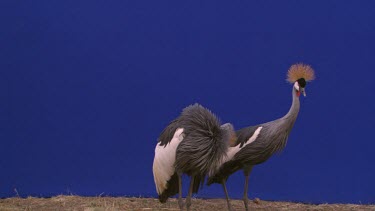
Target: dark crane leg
x=246, y=171
x=188, y=198
x=226, y=194
x=180, y=202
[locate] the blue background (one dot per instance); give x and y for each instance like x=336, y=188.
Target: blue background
x=87, y=87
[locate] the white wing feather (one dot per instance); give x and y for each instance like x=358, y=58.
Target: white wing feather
x=165, y=157
x=233, y=150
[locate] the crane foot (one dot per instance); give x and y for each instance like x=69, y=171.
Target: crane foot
x=181, y=204
x=245, y=201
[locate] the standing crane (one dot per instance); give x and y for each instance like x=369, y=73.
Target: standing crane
x=192, y=144
x=255, y=144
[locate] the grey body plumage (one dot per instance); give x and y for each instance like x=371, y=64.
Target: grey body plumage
x=203, y=145
x=271, y=139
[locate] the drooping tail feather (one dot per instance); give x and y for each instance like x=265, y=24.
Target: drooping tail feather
x=171, y=190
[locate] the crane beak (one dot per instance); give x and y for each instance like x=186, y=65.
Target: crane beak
x=303, y=92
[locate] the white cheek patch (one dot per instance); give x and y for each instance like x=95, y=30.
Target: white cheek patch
x=165, y=156
x=296, y=86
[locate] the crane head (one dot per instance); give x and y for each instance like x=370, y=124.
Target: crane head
x=229, y=134
x=299, y=74
x=299, y=86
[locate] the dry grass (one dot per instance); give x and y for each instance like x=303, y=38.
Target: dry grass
x=78, y=203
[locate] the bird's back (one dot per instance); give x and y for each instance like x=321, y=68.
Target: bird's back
x=203, y=146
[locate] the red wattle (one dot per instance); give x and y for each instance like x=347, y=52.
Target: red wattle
x=298, y=94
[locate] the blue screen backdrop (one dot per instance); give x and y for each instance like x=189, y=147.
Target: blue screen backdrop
x=87, y=86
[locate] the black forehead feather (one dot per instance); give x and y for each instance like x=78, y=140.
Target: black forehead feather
x=302, y=82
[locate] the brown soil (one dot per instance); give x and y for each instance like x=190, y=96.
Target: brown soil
x=121, y=203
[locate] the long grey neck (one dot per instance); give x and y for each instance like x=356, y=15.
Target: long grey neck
x=294, y=109
x=283, y=126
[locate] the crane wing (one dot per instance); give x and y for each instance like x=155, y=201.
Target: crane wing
x=164, y=161
x=245, y=134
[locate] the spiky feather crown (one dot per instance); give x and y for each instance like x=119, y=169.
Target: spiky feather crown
x=298, y=71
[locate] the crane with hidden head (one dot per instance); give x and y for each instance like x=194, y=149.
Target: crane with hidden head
x=193, y=144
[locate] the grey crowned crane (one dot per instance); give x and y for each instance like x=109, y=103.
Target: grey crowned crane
x=192, y=144
x=255, y=144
